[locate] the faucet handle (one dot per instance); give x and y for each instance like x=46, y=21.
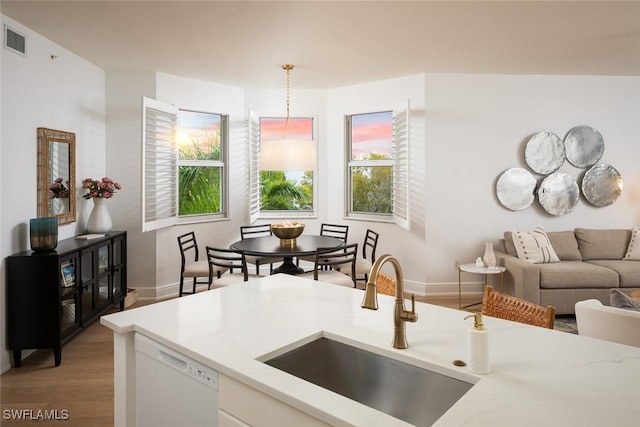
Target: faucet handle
x=413, y=303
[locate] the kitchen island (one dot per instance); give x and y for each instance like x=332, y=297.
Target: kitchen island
x=539, y=376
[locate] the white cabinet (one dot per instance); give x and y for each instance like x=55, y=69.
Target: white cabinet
x=241, y=405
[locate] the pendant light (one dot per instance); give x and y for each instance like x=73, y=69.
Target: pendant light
x=287, y=154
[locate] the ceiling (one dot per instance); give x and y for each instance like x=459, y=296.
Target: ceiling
x=332, y=44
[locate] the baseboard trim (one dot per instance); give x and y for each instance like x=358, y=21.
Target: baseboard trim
x=443, y=289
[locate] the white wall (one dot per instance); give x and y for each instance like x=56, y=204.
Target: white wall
x=407, y=246
x=65, y=93
x=477, y=127
x=124, y=92
x=208, y=97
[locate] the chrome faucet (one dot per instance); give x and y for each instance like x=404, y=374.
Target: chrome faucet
x=400, y=315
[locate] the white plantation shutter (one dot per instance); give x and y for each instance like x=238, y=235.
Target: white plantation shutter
x=159, y=165
x=254, y=166
x=401, y=166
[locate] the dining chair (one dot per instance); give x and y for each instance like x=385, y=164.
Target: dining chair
x=368, y=257
x=326, y=258
x=251, y=231
x=192, y=266
x=503, y=306
x=228, y=260
x=330, y=230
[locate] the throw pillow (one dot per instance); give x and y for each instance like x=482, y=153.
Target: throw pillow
x=633, y=251
x=534, y=247
x=621, y=300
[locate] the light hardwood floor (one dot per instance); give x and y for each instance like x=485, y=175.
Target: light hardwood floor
x=82, y=386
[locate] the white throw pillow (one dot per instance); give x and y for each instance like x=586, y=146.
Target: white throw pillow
x=534, y=247
x=633, y=251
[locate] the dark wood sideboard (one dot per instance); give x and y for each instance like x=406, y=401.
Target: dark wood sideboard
x=52, y=296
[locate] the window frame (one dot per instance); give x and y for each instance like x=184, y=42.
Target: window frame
x=152, y=137
x=222, y=163
x=400, y=169
x=254, y=137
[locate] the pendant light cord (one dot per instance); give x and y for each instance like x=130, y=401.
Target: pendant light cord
x=287, y=68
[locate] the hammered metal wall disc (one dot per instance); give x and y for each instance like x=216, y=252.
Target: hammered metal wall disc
x=516, y=188
x=558, y=193
x=602, y=185
x=544, y=153
x=583, y=146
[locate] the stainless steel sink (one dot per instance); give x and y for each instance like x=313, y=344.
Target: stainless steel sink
x=410, y=393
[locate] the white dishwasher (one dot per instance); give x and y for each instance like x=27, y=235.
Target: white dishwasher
x=171, y=389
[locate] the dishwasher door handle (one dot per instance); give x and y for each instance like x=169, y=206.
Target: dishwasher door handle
x=171, y=360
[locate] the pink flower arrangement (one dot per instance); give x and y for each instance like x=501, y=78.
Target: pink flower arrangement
x=59, y=190
x=106, y=188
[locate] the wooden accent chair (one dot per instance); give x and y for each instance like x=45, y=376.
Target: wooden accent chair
x=503, y=306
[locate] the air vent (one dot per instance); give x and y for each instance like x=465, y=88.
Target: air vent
x=15, y=41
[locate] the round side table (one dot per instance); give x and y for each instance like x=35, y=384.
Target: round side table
x=485, y=271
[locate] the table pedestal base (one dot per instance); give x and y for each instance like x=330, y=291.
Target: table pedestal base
x=288, y=267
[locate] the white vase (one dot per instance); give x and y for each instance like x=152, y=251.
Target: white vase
x=489, y=258
x=99, y=219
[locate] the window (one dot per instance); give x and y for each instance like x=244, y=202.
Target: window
x=287, y=193
x=184, y=157
x=200, y=163
x=377, y=177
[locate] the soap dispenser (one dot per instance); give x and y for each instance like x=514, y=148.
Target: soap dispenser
x=478, y=342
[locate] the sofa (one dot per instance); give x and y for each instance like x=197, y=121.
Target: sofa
x=608, y=323
x=587, y=264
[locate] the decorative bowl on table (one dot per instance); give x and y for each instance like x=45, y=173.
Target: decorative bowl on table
x=287, y=232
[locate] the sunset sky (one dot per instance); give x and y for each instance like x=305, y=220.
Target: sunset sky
x=371, y=133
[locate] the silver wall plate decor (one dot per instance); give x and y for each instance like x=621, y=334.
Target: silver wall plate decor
x=544, y=153
x=516, y=189
x=583, y=146
x=558, y=193
x=602, y=185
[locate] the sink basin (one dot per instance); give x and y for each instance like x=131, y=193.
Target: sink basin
x=413, y=394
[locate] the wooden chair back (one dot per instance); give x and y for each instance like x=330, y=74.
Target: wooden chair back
x=227, y=259
x=249, y=231
x=335, y=230
x=342, y=258
x=370, y=244
x=503, y=306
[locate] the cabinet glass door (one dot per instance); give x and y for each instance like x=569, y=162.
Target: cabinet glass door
x=103, y=295
x=118, y=254
x=88, y=283
x=69, y=320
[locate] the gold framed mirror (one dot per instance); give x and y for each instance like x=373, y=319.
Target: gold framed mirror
x=57, y=175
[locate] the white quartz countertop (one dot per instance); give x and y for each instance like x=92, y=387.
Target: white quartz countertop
x=539, y=377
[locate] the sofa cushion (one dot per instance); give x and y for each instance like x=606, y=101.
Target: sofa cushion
x=576, y=274
x=565, y=245
x=534, y=247
x=602, y=244
x=508, y=243
x=629, y=271
x=621, y=300
x=633, y=251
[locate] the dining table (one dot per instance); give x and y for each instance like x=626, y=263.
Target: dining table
x=271, y=246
